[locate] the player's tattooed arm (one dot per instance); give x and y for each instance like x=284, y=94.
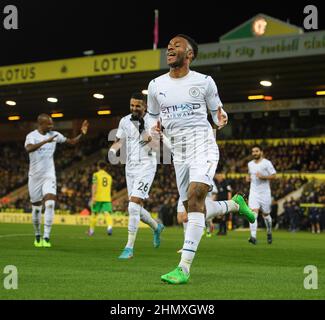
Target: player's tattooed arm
x=33, y=147
x=84, y=130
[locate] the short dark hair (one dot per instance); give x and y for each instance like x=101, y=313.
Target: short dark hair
x=139, y=96
x=43, y=116
x=257, y=146
x=192, y=42
x=101, y=164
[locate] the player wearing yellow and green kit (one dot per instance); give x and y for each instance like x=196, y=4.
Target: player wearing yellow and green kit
x=101, y=200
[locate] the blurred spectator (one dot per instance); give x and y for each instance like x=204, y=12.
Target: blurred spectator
x=74, y=184
x=224, y=193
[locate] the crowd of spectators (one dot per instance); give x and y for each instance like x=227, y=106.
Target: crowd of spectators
x=74, y=185
x=306, y=213
x=302, y=157
x=15, y=163
x=13, y=167
x=272, y=125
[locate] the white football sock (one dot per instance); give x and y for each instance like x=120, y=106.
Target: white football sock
x=134, y=220
x=145, y=217
x=253, y=227
x=219, y=208
x=185, y=227
x=268, y=223
x=48, y=217
x=37, y=219
x=195, y=227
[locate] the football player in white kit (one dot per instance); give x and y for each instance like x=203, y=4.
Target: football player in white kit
x=140, y=169
x=41, y=144
x=260, y=172
x=180, y=99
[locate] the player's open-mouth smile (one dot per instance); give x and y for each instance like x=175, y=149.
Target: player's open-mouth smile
x=171, y=56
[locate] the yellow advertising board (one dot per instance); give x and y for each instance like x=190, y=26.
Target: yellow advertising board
x=308, y=176
x=118, y=220
x=118, y=63
x=275, y=142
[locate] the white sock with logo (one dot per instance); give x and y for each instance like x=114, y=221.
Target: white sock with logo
x=219, y=208
x=134, y=220
x=145, y=217
x=268, y=223
x=48, y=217
x=253, y=228
x=37, y=219
x=195, y=227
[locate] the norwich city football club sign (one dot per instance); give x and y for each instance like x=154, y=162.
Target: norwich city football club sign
x=260, y=38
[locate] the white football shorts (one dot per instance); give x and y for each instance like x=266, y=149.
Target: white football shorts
x=38, y=187
x=262, y=203
x=194, y=171
x=139, y=182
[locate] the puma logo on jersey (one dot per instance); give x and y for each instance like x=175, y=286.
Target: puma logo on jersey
x=162, y=94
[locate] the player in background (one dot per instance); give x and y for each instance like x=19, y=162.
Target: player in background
x=40, y=145
x=224, y=193
x=260, y=172
x=180, y=99
x=211, y=196
x=140, y=169
x=101, y=198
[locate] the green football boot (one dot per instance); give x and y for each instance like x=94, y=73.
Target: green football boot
x=177, y=276
x=244, y=209
x=46, y=243
x=38, y=243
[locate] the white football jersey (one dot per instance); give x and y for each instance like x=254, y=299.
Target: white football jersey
x=181, y=104
x=41, y=163
x=137, y=151
x=259, y=186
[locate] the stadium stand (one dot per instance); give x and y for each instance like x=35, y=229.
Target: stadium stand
x=75, y=170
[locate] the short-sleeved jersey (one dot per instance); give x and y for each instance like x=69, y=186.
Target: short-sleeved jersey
x=182, y=105
x=265, y=168
x=138, y=153
x=103, y=182
x=41, y=163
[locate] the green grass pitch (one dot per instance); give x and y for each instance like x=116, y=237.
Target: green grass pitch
x=78, y=267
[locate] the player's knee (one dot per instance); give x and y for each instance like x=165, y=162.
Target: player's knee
x=49, y=196
x=49, y=204
x=197, y=194
x=136, y=200
x=134, y=209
